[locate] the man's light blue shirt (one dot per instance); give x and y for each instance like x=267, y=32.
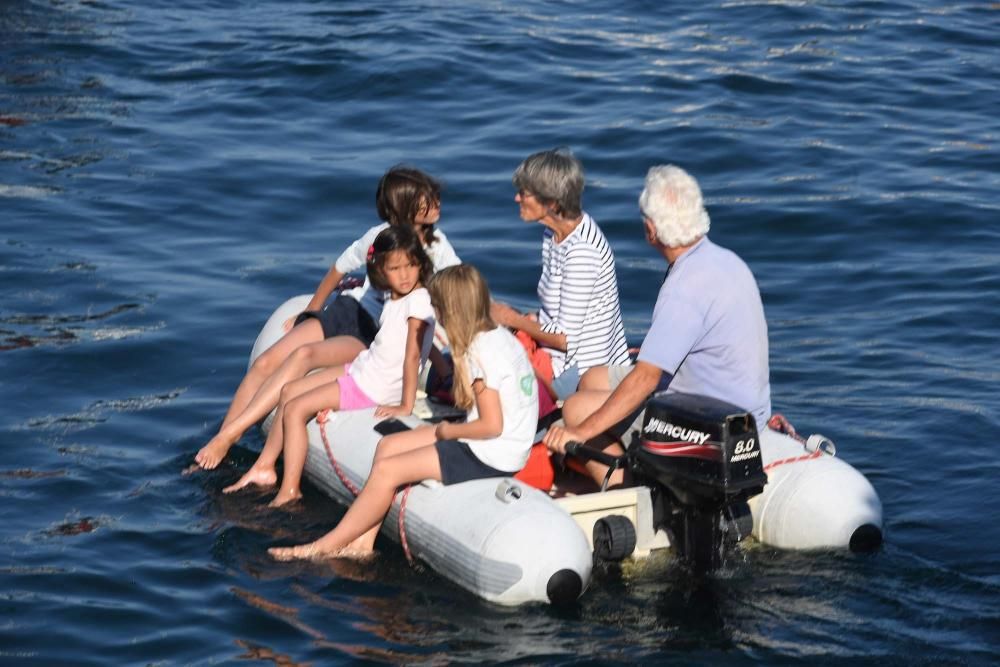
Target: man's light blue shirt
x=709, y=330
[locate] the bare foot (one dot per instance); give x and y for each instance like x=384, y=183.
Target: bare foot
x=285, y=497
x=301, y=552
x=211, y=455
x=314, y=552
x=256, y=476
x=360, y=555
x=364, y=544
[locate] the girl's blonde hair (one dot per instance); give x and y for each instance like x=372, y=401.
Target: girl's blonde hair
x=462, y=301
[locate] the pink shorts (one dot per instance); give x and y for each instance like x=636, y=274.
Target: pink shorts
x=351, y=396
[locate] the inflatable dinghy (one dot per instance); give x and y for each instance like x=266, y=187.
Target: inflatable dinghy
x=706, y=477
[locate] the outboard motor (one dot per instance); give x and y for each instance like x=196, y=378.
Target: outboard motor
x=701, y=458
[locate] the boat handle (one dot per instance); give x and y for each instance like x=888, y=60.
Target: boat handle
x=507, y=491
x=821, y=443
x=582, y=451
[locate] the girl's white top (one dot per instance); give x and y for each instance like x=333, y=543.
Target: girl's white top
x=355, y=257
x=501, y=363
x=378, y=370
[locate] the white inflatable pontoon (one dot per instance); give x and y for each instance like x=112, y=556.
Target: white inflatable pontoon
x=813, y=500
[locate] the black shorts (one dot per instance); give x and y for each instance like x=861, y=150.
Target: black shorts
x=459, y=464
x=343, y=316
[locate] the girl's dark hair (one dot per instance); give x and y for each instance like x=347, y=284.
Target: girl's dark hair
x=396, y=238
x=402, y=193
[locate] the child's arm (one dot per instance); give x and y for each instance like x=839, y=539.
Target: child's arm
x=488, y=425
x=325, y=288
x=416, y=328
x=352, y=258
x=439, y=362
x=442, y=369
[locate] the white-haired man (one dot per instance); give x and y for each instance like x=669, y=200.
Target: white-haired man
x=708, y=335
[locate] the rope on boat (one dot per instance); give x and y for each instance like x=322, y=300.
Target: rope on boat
x=401, y=523
x=778, y=423
x=794, y=459
x=321, y=418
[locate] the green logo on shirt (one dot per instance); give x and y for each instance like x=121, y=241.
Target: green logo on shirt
x=528, y=384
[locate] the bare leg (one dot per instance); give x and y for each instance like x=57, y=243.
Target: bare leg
x=262, y=472
x=578, y=407
x=595, y=379
x=309, y=331
x=391, y=445
x=295, y=415
x=363, y=546
x=371, y=505
x=297, y=363
x=405, y=441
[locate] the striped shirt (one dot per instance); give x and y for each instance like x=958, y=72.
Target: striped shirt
x=578, y=292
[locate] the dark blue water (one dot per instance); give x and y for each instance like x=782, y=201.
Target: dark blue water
x=169, y=175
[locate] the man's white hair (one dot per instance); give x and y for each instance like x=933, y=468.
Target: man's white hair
x=672, y=201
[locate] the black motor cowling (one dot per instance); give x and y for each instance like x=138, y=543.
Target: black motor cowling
x=702, y=456
x=704, y=450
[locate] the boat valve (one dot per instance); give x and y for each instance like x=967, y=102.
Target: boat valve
x=822, y=443
x=508, y=491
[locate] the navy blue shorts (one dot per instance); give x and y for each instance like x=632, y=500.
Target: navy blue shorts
x=459, y=464
x=343, y=316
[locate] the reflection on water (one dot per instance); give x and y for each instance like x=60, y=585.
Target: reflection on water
x=46, y=96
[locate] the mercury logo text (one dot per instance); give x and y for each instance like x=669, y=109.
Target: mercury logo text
x=684, y=434
x=745, y=449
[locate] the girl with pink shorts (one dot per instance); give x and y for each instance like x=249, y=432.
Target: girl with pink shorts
x=385, y=375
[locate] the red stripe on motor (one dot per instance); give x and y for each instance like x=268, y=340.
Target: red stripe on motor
x=708, y=452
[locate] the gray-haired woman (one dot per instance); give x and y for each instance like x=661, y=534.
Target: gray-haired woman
x=579, y=323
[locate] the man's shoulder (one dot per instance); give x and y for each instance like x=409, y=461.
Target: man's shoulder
x=708, y=272
x=716, y=259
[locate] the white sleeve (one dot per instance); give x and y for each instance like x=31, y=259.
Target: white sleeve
x=419, y=306
x=441, y=252
x=356, y=254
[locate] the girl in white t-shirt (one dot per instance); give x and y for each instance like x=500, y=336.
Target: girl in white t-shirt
x=494, y=381
x=333, y=335
x=384, y=375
